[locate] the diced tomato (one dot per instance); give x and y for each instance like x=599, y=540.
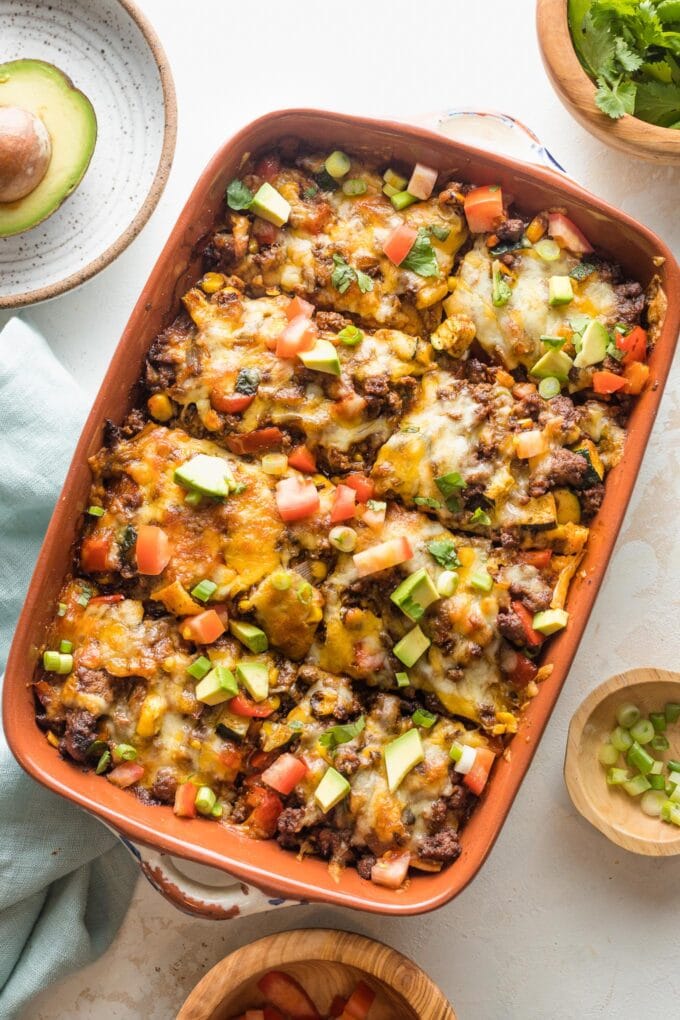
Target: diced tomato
x=476, y=778
x=284, y=992
x=567, y=234
x=363, y=486
x=359, y=1002
x=634, y=344
x=607, y=382
x=126, y=774
x=539, y=558
x=521, y=670
x=344, y=504
x=185, y=800
x=299, y=335
x=240, y=705
x=302, y=459
x=382, y=556
x=484, y=208
x=229, y=402
x=532, y=637
x=284, y=775
x=94, y=554
x=204, y=628
x=267, y=167
x=337, y=1007
x=299, y=306
x=423, y=180
x=254, y=442
x=530, y=444
x=399, y=243
x=152, y=549
x=296, y=498
x=636, y=375
x=106, y=600
x=391, y=869
x=374, y=516
x=265, y=233
x=266, y=808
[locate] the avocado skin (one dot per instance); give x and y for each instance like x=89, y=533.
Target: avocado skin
x=35, y=86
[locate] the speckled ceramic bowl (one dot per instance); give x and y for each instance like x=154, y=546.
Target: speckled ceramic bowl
x=112, y=54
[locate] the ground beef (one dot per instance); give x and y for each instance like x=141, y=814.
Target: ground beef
x=335, y=844
x=365, y=866
x=562, y=406
x=509, y=538
x=591, y=501
x=333, y=321
x=164, y=785
x=461, y=799
x=630, y=302
x=510, y=626
x=380, y=397
x=473, y=496
x=563, y=468
x=536, y=597
x=346, y=761
x=81, y=731
x=289, y=824
x=95, y=681
x=510, y=231
x=436, y=816
x=442, y=846
x=530, y=406
x=477, y=372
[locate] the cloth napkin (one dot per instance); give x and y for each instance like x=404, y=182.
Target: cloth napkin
x=65, y=880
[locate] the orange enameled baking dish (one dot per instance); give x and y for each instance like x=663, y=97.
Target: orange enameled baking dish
x=265, y=864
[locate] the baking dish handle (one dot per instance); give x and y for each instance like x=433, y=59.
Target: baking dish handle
x=204, y=892
x=497, y=132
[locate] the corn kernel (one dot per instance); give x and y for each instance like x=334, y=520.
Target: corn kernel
x=319, y=570
x=452, y=282
x=466, y=555
x=160, y=407
x=52, y=739
x=150, y=715
x=536, y=229
x=212, y=282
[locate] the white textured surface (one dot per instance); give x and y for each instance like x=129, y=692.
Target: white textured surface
x=99, y=46
x=559, y=923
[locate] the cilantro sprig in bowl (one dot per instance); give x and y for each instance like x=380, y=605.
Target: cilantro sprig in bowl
x=615, y=64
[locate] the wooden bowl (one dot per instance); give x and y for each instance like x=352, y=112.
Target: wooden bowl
x=327, y=963
x=618, y=816
x=577, y=92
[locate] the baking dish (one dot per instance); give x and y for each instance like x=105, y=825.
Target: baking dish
x=265, y=864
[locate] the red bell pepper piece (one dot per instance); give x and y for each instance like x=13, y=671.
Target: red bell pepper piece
x=537, y=558
x=359, y=1002
x=532, y=637
x=284, y=992
x=106, y=600
x=634, y=344
x=266, y=808
x=254, y=442
x=230, y=403
x=285, y=773
x=522, y=671
x=240, y=705
x=476, y=778
x=608, y=382
x=302, y=459
x=185, y=800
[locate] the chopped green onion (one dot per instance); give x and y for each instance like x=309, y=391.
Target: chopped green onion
x=402, y=200
x=61, y=609
x=674, y=795
x=103, y=762
x=549, y=387
x=433, y=504
x=479, y=517
x=281, y=580
x=84, y=597
x=656, y=769
x=673, y=765
x=205, y=800
x=402, y=679
x=65, y=646
x=637, y=785
x=275, y=464
x=547, y=249
x=217, y=811
x=659, y=743
x=342, y=538
x=421, y=717
x=621, y=739
x=639, y=758
x=305, y=593
x=627, y=715
x=615, y=777
x=355, y=186
x=57, y=662
x=656, y=782
x=670, y=812
x=672, y=711
x=456, y=752
x=395, y=180
x=124, y=752
x=199, y=668
x=658, y=721
x=194, y=499
x=642, y=731
x=337, y=164
x=96, y=511
x=351, y=336
x=651, y=803
x=390, y=191
x=553, y=342
x=608, y=755
x=446, y=583
x=481, y=581
x=204, y=589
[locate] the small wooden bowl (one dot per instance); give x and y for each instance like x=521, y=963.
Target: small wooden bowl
x=577, y=92
x=326, y=963
x=618, y=816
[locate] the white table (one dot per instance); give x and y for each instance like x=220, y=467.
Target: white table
x=559, y=923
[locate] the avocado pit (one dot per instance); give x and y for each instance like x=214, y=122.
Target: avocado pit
x=25, y=152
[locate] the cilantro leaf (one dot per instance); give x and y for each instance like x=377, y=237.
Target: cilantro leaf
x=344, y=276
x=658, y=103
x=480, y=517
x=444, y=552
x=364, y=281
x=342, y=734
x=434, y=504
x=441, y=233
x=582, y=270
x=625, y=57
x=422, y=258
x=239, y=196
x=616, y=99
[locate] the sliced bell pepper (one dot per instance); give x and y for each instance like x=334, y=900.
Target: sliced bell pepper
x=532, y=638
x=229, y=403
x=152, y=549
x=185, y=800
x=240, y=705
x=254, y=442
x=285, y=773
x=539, y=558
x=302, y=459
x=634, y=344
x=608, y=382
x=484, y=208
x=344, y=504
x=266, y=807
x=296, y=498
x=284, y=992
x=399, y=243
x=476, y=778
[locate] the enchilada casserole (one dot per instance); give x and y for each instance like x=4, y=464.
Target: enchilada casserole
x=321, y=560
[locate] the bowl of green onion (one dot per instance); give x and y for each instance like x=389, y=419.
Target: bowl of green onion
x=622, y=764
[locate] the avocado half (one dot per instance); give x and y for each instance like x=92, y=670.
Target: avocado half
x=47, y=93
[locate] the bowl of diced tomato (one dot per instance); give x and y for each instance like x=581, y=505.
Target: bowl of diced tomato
x=316, y=974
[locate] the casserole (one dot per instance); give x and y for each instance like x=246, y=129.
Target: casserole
x=641, y=255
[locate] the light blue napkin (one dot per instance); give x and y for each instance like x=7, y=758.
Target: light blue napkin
x=65, y=881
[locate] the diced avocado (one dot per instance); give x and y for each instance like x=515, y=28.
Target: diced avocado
x=594, y=344
x=249, y=635
x=218, y=686
x=415, y=594
x=550, y=620
x=323, y=357
x=401, y=755
x=255, y=678
x=66, y=133
x=269, y=204
x=210, y=475
x=232, y=726
x=411, y=647
x=552, y=363
x=331, y=790
x=560, y=291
